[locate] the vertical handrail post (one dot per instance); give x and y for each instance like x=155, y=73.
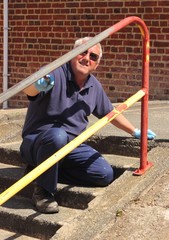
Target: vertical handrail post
x=144, y=164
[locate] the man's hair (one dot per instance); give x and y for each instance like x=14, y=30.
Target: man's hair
x=80, y=41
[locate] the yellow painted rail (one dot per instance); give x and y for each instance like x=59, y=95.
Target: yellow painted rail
x=56, y=157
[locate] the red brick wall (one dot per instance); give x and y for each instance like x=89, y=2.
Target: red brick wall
x=41, y=31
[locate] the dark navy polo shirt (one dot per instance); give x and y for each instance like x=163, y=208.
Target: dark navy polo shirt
x=65, y=105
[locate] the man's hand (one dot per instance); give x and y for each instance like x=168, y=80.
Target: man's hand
x=150, y=134
x=45, y=84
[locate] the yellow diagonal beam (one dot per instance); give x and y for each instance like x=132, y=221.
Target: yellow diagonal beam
x=23, y=182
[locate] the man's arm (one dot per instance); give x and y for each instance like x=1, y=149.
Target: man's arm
x=42, y=85
x=31, y=90
x=124, y=124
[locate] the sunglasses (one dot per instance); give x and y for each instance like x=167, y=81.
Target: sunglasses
x=93, y=56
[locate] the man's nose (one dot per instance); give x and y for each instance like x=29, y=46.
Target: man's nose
x=87, y=56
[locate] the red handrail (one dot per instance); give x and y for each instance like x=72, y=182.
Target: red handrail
x=144, y=164
x=142, y=94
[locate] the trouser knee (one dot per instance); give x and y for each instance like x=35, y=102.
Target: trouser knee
x=49, y=143
x=107, y=178
x=55, y=137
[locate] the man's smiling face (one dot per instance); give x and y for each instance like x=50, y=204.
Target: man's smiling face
x=85, y=63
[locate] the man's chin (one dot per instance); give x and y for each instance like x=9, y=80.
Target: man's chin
x=83, y=69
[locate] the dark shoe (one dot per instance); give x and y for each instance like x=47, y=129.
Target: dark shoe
x=44, y=201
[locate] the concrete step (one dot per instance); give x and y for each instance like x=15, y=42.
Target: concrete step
x=130, y=147
x=9, y=153
x=85, y=221
x=108, y=210
x=67, y=195
x=72, y=200
x=19, y=216
x=12, y=235
x=19, y=210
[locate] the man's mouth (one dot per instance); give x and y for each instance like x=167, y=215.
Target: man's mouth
x=83, y=63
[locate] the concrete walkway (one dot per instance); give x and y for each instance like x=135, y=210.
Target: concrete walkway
x=143, y=213
x=158, y=120
x=146, y=218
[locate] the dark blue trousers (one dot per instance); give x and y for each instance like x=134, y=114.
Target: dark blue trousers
x=83, y=166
